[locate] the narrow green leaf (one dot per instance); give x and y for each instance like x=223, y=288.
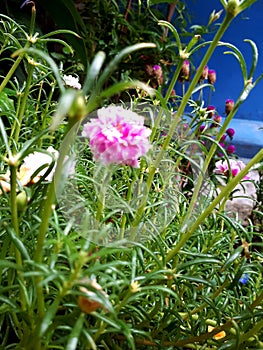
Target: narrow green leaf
x=112, y=66
x=65, y=102
x=174, y=32
x=18, y=243
x=45, y=57
x=75, y=333
x=4, y=136
x=255, y=58
x=93, y=71
x=232, y=258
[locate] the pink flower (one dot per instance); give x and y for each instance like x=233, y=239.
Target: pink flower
x=117, y=136
x=221, y=167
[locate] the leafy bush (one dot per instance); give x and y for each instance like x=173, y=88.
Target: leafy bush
x=113, y=230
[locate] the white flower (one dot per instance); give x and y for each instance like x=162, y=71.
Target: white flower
x=72, y=81
x=33, y=162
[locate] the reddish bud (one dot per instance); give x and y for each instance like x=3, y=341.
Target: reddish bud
x=217, y=119
x=211, y=111
x=211, y=76
x=204, y=74
x=230, y=132
x=223, y=137
x=185, y=72
x=231, y=149
x=229, y=106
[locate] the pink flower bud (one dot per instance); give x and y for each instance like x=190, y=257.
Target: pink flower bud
x=211, y=76
x=211, y=111
x=231, y=149
x=230, y=132
x=218, y=119
x=229, y=106
x=185, y=72
x=223, y=138
x=204, y=74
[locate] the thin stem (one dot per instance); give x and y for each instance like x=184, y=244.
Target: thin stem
x=224, y=192
x=138, y=216
x=23, y=103
x=13, y=69
x=47, y=208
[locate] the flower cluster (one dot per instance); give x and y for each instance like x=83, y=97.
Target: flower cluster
x=117, y=136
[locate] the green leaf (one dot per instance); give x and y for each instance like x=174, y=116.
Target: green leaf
x=112, y=66
x=255, y=58
x=75, y=333
x=93, y=71
x=18, y=243
x=65, y=102
x=48, y=59
x=6, y=103
x=232, y=257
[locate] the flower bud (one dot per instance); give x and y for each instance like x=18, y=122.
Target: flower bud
x=211, y=111
x=87, y=302
x=229, y=106
x=211, y=76
x=231, y=149
x=230, y=132
x=78, y=108
x=21, y=201
x=217, y=119
x=204, y=74
x=185, y=72
x=217, y=336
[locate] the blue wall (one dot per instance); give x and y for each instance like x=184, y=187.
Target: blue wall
x=248, y=25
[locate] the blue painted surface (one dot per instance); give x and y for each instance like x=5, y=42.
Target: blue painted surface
x=248, y=25
x=248, y=138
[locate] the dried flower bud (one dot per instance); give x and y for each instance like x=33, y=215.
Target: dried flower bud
x=204, y=74
x=185, y=72
x=218, y=119
x=88, y=303
x=229, y=106
x=211, y=111
x=211, y=76
x=154, y=73
x=217, y=336
x=158, y=74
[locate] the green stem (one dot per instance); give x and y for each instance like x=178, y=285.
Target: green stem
x=225, y=192
x=253, y=331
x=138, y=216
x=46, y=211
x=23, y=103
x=13, y=69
